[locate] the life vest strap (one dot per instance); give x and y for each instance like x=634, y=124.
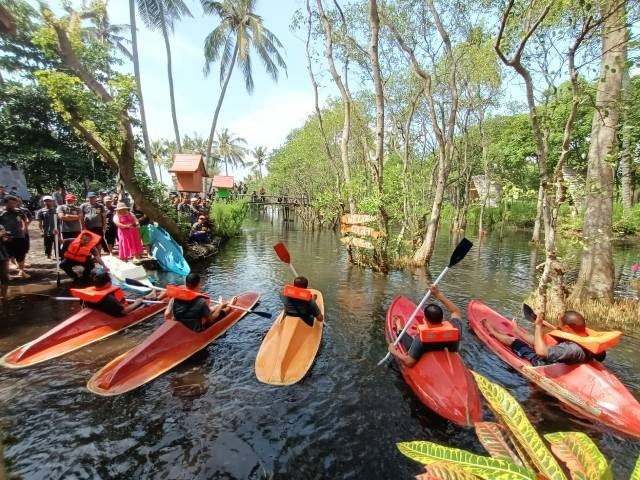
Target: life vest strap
x=183, y=293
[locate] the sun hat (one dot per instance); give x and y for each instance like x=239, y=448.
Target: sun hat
x=122, y=206
x=70, y=196
x=47, y=197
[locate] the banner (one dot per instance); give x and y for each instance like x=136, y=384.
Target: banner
x=357, y=219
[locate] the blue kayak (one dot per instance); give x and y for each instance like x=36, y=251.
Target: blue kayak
x=167, y=252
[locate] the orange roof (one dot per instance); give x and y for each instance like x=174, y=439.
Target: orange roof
x=188, y=163
x=220, y=181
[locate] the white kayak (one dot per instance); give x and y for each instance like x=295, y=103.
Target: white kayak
x=120, y=271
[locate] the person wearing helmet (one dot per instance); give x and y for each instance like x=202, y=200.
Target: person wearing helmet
x=69, y=216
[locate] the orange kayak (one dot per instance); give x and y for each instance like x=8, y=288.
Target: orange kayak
x=169, y=345
x=289, y=348
x=439, y=379
x=83, y=328
x=588, y=389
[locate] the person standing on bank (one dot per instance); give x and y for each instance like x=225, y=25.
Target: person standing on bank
x=14, y=221
x=111, y=231
x=129, y=242
x=69, y=216
x=4, y=264
x=46, y=217
x=92, y=217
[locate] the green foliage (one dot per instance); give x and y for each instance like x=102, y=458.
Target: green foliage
x=227, y=218
x=581, y=455
x=484, y=467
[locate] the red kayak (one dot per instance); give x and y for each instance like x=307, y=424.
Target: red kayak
x=169, y=345
x=588, y=389
x=83, y=328
x=439, y=379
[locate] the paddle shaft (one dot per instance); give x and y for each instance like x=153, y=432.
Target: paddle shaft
x=237, y=307
x=74, y=299
x=415, y=312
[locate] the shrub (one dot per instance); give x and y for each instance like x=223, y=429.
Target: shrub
x=227, y=218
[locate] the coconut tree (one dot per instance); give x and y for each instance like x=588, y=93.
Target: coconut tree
x=260, y=154
x=240, y=31
x=162, y=15
x=194, y=144
x=230, y=149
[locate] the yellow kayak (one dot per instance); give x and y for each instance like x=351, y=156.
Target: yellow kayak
x=289, y=348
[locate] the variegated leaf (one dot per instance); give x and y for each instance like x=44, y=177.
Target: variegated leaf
x=635, y=475
x=582, y=456
x=445, y=471
x=493, y=440
x=428, y=453
x=512, y=416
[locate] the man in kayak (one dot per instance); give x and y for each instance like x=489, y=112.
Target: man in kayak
x=541, y=353
x=303, y=307
x=434, y=315
x=103, y=296
x=191, y=308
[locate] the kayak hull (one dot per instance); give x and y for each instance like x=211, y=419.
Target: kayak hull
x=289, y=348
x=83, y=328
x=167, y=252
x=589, y=390
x=440, y=379
x=168, y=346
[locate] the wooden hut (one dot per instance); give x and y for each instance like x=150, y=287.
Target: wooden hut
x=223, y=185
x=189, y=170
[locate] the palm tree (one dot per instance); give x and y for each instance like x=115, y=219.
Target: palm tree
x=162, y=15
x=260, y=154
x=231, y=41
x=136, y=70
x=230, y=149
x=103, y=30
x=194, y=144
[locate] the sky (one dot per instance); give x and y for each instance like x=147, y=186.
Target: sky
x=262, y=119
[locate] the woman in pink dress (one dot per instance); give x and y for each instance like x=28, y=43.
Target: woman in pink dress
x=129, y=241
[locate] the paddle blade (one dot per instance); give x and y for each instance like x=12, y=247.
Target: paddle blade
x=133, y=281
x=261, y=314
x=282, y=252
x=460, y=252
x=528, y=313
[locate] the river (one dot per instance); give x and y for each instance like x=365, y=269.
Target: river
x=211, y=418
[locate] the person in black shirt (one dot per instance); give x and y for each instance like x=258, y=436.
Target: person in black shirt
x=196, y=314
x=110, y=303
x=111, y=231
x=414, y=346
x=307, y=311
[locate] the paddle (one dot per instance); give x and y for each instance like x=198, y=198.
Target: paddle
x=74, y=299
x=132, y=281
x=530, y=315
x=458, y=254
x=283, y=254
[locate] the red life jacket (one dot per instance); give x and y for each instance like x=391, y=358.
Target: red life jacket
x=93, y=295
x=443, y=332
x=593, y=341
x=298, y=293
x=78, y=252
x=183, y=293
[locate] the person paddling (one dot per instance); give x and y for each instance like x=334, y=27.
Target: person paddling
x=299, y=302
x=436, y=334
x=539, y=349
x=105, y=297
x=191, y=307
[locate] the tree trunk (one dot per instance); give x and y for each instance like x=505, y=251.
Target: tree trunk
x=346, y=101
x=535, y=236
x=595, y=279
x=627, y=151
x=136, y=70
x=219, y=105
x=487, y=175
x=167, y=45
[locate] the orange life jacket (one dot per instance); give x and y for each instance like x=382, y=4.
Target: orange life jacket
x=94, y=295
x=183, y=293
x=298, y=293
x=592, y=340
x=78, y=252
x=443, y=332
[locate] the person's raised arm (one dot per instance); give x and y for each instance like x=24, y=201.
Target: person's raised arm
x=453, y=309
x=539, y=344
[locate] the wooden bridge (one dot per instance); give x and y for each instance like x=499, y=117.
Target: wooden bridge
x=278, y=200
